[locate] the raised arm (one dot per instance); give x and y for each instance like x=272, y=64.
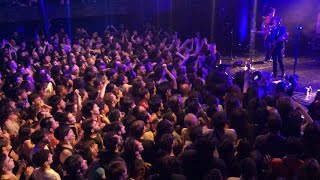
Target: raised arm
x=174, y=81
x=203, y=42
x=180, y=55
x=4, y=42
x=307, y=118
x=114, y=28
x=213, y=51
x=191, y=48
x=45, y=46
x=184, y=61
x=198, y=48
x=106, y=29
x=133, y=40
x=12, y=50
x=103, y=89
x=184, y=45
x=170, y=47
x=79, y=104
x=85, y=32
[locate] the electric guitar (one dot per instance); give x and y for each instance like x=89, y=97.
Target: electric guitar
x=266, y=27
x=279, y=39
x=265, y=32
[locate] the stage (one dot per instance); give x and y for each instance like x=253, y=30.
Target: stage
x=307, y=70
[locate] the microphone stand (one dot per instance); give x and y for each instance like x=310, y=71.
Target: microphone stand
x=231, y=48
x=298, y=30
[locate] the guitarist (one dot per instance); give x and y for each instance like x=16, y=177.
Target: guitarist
x=278, y=37
x=265, y=31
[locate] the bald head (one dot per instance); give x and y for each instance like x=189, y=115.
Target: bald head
x=185, y=89
x=190, y=120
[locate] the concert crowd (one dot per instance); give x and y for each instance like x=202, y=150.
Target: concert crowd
x=145, y=104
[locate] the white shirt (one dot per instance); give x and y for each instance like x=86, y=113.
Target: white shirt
x=50, y=174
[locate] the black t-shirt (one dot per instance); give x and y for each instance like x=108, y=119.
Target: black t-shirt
x=148, y=152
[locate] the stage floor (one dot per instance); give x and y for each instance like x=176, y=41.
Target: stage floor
x=308, y=71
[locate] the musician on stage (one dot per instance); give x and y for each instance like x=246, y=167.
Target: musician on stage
x=265, y=29
x=278, y=37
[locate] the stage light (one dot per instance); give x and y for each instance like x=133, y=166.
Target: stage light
x=300, y=27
